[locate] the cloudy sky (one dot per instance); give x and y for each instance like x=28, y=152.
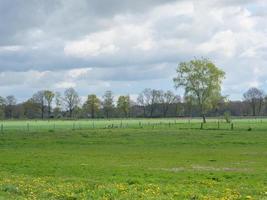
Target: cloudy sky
x=126, y=46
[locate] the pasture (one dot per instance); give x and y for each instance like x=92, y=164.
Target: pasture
x=133, y=159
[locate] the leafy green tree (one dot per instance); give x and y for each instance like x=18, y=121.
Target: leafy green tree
x=92, y=105
x=49, y=96
x=201, y=80
x=123, y=105
x=108, y=105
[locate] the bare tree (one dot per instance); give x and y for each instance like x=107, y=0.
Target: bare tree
x=177, y=102
x=10, y=103
x=166, y=99
x=58, y=104
x=254, y=97
x=39, y=99
x=71, y=99
x=141, y=103
x=2, y=107
x=154, y=100
x=149, y=98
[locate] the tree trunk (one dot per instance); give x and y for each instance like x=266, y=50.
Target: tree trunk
x=70, y=113
x=151, y=111
x=254, y=110
x=107, y=114
x=92, y=113
x=42, y=110
x=49, y=111
x=165, y=113
x=144, y=111
x=204, y=118
x=260, y=105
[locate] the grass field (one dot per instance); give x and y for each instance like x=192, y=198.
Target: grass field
x=180, y=123
x=133, y=159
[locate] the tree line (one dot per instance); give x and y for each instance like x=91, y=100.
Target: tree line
x=199, y=78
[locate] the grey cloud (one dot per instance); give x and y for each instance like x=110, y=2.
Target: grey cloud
x=133, y=42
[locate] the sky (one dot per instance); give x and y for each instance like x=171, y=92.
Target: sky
x=126, y=46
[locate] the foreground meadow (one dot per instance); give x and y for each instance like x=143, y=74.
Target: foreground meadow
x=153, y=162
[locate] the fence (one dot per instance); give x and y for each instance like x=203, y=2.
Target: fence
x=213, y=124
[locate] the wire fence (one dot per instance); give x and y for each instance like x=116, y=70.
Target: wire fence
x=212, y=124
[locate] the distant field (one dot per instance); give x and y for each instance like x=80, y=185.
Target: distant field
x=123, y=159
x=180, y=123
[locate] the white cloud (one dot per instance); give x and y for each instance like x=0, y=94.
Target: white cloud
x=139, y=45
x=11, y=48
x=64, y=85
x=93, y=45
x=79, y=72
x=223, y=43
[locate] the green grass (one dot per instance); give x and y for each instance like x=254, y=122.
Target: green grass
x=156, y=161
x=183, y=123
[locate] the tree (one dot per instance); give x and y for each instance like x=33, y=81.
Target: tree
x=188, y=105
x=141, y=102
x=49, y=96
x=123, y=105
x=255, y=98
x=149, y=98
x=201, y=80
x=177, y=102
x=58, y=104
x=166, y=99
x=39, y=98
x=108, y=103
x=71, y=99
x=154, y=100
x=2, y=107
x=31, y=109
x=92, y=104
x=10, y=102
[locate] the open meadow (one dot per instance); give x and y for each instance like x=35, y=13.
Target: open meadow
x=134, y=159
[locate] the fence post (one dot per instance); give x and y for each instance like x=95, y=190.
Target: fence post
x=218, y=124
x=232, y=126
x=2, y=128
x=201, y=125
x=28, y=127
